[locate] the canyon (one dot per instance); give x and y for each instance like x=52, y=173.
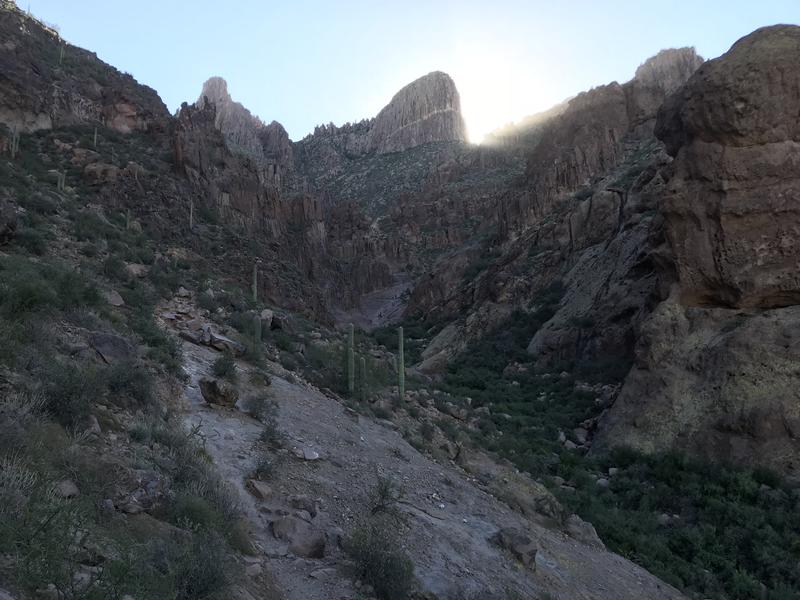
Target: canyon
x=638, y=244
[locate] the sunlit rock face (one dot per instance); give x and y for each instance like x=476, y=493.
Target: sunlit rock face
x=426, y=110
x=669, y=69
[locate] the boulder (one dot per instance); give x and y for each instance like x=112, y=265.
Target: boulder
x=259, y=489
x=304, y=539
x=113, y=298
x=266, y=319
x=101, y=173
x=67, y=489
x=136, y=269
x=584, y=532
x=217, y=392
x=110, y=347
x=518, y=543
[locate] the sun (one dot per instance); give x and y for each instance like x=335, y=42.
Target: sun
x=494, y=90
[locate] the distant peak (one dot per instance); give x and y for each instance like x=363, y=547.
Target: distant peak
x=426, y=110
x=215, y=89
x=669, y=69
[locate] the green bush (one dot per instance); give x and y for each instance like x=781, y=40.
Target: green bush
x=27, y=287
x=69, y=388
x=225, y=366
x=33, y=240
x=380, y=560
x=114, y=268
x=734, y=531
x=130, y=384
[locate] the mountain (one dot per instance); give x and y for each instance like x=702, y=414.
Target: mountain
x=599, y=330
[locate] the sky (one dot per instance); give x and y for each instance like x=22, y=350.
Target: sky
x=307, y=63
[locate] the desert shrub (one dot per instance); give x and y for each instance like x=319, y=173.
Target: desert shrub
x=166, y=277
x=225, y=366
x=380, y=560
x=114, y=268
x=27, y=287
x=68, y=390
x=427, y=431
x=733, y=534
x=193, y=512
x=384, y=496
x=264, y=468
x=89, y=226
x=33, y=240
x=260, y=407
x=163, y=347
x=38, y=203
x=190, y=571
x=130, y=384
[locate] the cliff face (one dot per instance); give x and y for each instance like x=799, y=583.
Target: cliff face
x=268, y=146
x=426, y=110
x=732, y=206
x=583, y=215
x=717, y=363
x=591, y=134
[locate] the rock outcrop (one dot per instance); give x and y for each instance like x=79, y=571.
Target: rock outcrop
x=268, y=146
x=716, y=367
x=48, y=83
x=426, y=110
x=733, y=204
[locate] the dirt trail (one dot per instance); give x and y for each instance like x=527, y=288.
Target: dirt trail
x=450, y=518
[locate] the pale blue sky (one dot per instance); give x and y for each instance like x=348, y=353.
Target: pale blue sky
x=304, y=63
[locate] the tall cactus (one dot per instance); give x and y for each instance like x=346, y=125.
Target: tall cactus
x=94, y=142
x=401, y=365
x=14, y=143
x=363, y=379
x=191, y=214
x=61, y=54
x=257, y=330
x=255, y=281
x=351, y=360
x=61, y=181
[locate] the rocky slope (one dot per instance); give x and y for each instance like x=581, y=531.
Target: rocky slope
x=48, y=82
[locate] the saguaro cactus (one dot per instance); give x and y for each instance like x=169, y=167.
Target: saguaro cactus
x=257, y=329
x=95, y=138
x=61, y=54
x=14, y=143
x=255, y=281
x=191, y=214
x=351, y=360
x=401, y=365
x=61, y=182
x=363, y=379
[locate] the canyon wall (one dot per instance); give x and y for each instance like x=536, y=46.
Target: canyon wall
x=717, y=363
